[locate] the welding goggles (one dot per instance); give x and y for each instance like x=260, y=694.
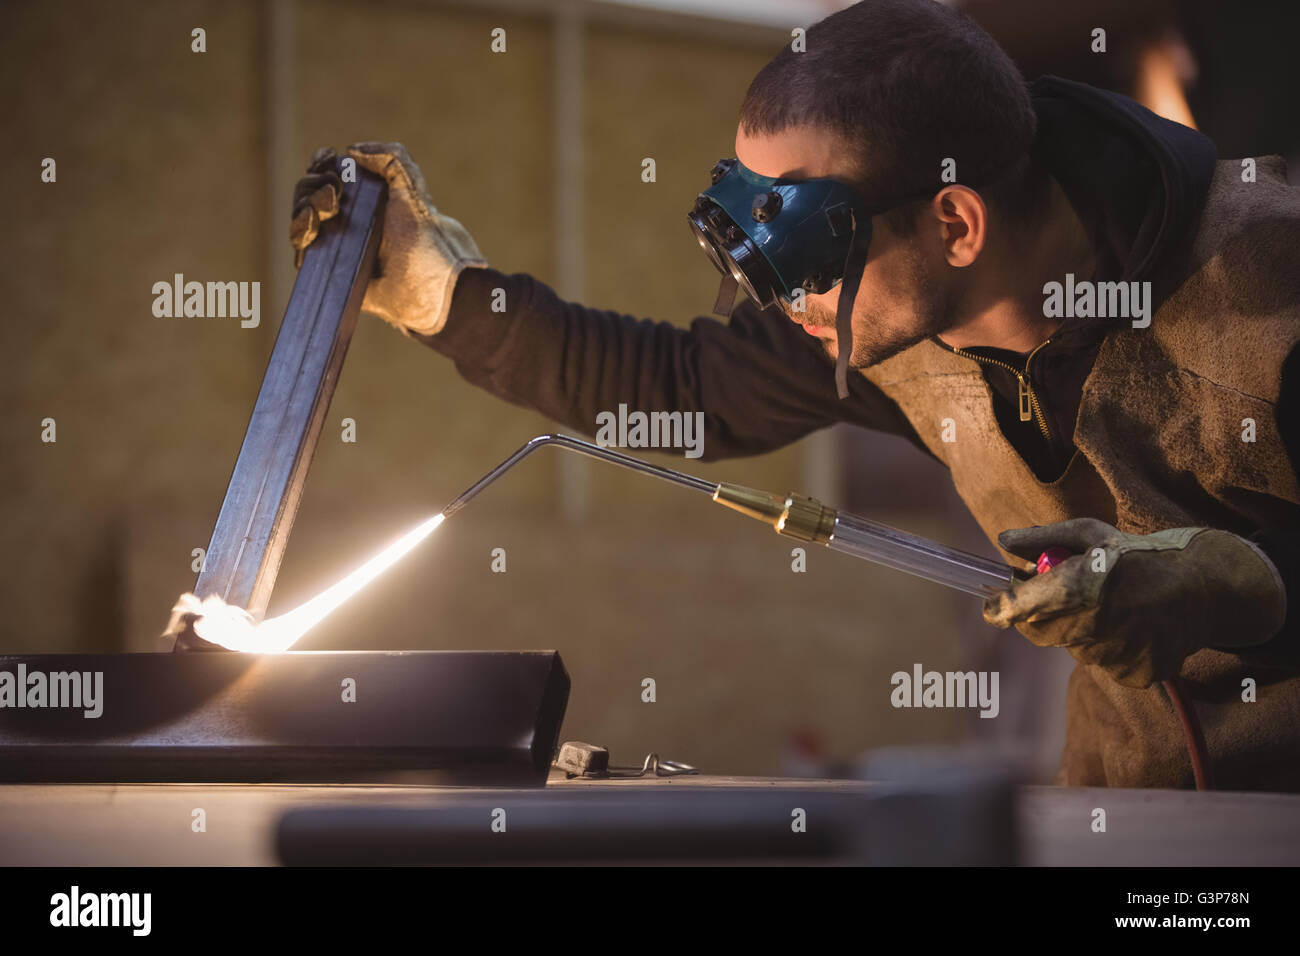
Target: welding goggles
x=772, y=237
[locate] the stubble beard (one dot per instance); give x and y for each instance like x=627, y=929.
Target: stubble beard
x=874, y=338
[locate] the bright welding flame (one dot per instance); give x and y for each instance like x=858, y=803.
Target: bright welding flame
x=233, y=627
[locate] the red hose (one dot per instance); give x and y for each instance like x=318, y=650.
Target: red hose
x=1174, y=687
x=1192, y=732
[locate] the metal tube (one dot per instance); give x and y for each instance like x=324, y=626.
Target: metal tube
x=583, y=448
x=252, y=530
x=920, y=556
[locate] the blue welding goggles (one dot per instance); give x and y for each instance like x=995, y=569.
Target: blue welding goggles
x=771, y=237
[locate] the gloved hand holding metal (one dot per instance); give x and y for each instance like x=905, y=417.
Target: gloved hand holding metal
x=421, y=252
x=1139, y=605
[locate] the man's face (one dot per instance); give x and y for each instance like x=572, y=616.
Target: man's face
x=901, y=300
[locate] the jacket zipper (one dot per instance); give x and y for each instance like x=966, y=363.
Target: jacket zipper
x=1030, y=409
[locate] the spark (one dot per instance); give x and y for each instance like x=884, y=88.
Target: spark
x=234, y=628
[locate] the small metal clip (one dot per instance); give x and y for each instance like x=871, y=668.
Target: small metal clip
x=579, y=759
x=661, y=768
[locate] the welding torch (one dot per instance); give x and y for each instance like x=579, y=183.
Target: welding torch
x=799, y=517
x=807, y=519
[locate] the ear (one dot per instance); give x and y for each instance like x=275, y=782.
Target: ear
x=963, y=221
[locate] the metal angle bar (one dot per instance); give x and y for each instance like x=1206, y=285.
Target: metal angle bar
x=466, y=717
x=248, y=541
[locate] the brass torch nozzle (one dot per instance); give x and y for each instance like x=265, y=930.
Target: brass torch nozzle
x=793, y=515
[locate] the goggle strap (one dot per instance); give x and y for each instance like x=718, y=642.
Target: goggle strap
x=726, y=296
x=854, y=263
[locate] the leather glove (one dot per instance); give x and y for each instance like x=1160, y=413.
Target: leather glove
x=1138, y=605
x=421, y=251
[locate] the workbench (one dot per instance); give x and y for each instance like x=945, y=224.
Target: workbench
x=151, y=824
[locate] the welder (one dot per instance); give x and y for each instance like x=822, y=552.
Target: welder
x=899, y=204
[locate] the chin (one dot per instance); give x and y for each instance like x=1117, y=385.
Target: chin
x=880, y=351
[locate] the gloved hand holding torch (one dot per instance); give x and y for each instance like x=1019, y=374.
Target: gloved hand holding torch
x=1138, y=605
x=421, y=252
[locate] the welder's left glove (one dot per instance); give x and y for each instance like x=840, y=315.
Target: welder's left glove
x=421, y=252
x=1138, y=605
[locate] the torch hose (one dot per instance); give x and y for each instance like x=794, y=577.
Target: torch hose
x=1193, y=734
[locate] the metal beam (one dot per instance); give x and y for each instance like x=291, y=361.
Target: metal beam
x=249, y=539
x=485, y=718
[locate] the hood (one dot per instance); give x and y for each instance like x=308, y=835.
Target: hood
x=1138, y=180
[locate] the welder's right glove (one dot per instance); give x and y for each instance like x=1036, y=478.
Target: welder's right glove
x=1138, y=605
x=421, y=251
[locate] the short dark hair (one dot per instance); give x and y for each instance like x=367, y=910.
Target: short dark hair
x=907, y=83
